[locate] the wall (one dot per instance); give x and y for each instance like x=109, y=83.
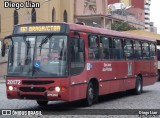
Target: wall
x=138, y=3
x=89, y=7
x=138, y=13
x=44, y=13
x=112, y=1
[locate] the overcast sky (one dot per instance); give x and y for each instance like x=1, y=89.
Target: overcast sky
x=155, y=13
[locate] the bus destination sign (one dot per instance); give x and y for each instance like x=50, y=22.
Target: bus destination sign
x=39, y=29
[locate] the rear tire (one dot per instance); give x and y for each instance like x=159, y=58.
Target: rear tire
x=42, y=103
x=138, y=87
x=158, y=77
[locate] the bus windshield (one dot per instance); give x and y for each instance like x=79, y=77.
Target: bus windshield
x=38, y=56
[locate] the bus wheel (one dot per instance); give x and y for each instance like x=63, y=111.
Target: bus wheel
x=42, y=103
x=138, y=87
x=158, y=77
x=90, y=95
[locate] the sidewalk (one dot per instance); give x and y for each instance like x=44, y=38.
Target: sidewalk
x=2, y=79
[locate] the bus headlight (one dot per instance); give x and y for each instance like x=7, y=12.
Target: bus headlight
x=57, y=89
x=10, y=88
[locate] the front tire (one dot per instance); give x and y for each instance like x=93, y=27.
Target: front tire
x=89, y=95
x=42, y=103
x=138, y=87
x=158, y=77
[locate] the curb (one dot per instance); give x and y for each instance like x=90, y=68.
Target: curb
x=2, y=79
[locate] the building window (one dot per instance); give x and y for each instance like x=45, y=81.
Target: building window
x=15, y=17
x=65, y=16
x=33, y=15
x=53, y=14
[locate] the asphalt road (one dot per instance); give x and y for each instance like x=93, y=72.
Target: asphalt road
x=149, y=99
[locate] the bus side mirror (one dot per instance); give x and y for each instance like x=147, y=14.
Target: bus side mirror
x=3, y=50
x=11, y=51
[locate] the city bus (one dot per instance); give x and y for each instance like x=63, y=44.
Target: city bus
x=158, y=56
x=70, y=62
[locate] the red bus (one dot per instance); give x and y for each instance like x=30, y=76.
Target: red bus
x=60, y=61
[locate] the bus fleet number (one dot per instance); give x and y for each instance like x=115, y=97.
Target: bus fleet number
x=14, y=82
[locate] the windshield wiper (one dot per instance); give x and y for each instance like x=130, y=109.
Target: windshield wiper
x=27, y=44
x=44, y=41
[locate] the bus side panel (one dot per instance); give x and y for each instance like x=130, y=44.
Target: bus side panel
x=110, y=74
x=152, y=78
x=78, y=82
x=149, y=80
x=142, y=67
x=130, y=82
x=130, y=73
x=78, y=86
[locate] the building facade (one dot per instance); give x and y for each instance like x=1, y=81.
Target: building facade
x=147, y=14
x=92, y=12
x=138, y=3
x=49, y=11
x=131, y=11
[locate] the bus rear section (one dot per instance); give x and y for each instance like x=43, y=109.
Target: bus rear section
x=158, y=55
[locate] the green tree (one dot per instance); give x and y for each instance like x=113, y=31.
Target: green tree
x=122, y=26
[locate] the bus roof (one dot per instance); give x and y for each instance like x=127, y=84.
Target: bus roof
x=95, y=30
x=102, y=31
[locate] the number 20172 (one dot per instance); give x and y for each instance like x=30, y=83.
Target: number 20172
x=14, y=82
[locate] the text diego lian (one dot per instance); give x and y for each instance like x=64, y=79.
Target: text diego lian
x=18, y=5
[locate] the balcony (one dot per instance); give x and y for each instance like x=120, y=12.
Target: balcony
x=147, y=6
x=130, y=19
x=147, y=16
x=147, y=21
x=146, y=11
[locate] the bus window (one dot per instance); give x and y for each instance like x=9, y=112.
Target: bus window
x=145, y=50
x=105, y=47
x=117, y=49
x=158, y=50
x=137, y=50
x=93, y=44
x=77, y=56
x=152, y=51
x=128, y=49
